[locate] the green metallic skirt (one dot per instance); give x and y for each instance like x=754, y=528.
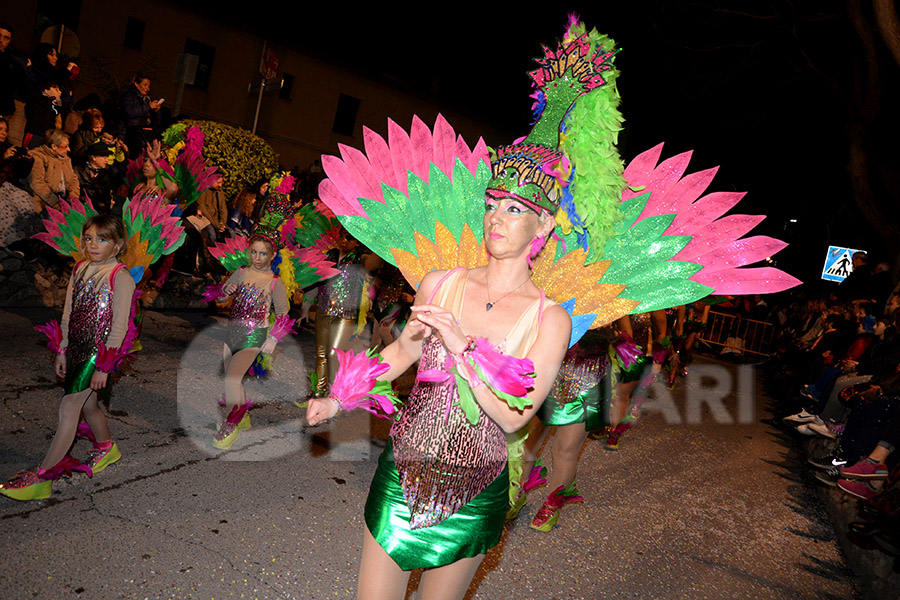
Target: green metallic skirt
x=471, y=531
x=588, y=408
x=78, y=378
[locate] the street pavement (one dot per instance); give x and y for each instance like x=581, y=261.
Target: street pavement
x=691, y=506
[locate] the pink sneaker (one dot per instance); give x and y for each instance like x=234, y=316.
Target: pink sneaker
x=859, y=489
x=866, y=469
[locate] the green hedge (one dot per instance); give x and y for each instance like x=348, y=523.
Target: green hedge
x=243, y=157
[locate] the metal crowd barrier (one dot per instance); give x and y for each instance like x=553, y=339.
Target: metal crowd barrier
x=737, y=335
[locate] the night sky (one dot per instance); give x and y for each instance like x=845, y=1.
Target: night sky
x=759, y=87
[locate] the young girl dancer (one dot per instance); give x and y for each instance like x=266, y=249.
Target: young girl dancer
x=255, y=289
x=94, y=325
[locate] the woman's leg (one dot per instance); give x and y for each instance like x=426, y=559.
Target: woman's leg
x=379, y=576
x=69, y=413
x=339, y=332
x=567, y=444
x=96, y=420
x=537, y=433
x=323, y=324
x=450, y=582
x=234, y=375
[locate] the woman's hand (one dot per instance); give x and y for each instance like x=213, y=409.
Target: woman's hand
x=98, y=380
x=442, y=321
x=320, y=410
x=154, y=151
x=59, y=365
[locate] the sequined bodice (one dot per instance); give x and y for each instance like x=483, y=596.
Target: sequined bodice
x=340, y=295
x=580, y=371
x=641, y=330
x=443, y=460
x=249, y=312
x=91, y=316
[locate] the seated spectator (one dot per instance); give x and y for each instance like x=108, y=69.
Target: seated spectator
x=244, y=208
x=18, y=219
x=89, y=133
x=52, y=176
x=10, y=74
x=43, y=113
x=94, y=179
x=17, y=161
x=118, y=152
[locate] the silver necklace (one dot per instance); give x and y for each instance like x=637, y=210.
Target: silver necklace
x=490, y=304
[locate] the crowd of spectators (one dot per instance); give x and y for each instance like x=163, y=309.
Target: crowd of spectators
x=839, y=360
x=62, y=148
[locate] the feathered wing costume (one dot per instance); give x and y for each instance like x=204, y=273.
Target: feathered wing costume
x=151, y=231
x=296, y=266
x=628, y=240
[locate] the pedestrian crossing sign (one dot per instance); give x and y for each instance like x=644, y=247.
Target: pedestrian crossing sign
x=838, y=263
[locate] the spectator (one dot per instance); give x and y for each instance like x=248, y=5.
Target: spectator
x=118, y=152
x=9, y=73
x=140, y=115
x=52, y=176
x=93, y=176
x=241, y=219
x=16, y=161
x=18, y=219
x=213, y=207
x=43, y=113
x=90, y=132
x=44, y=69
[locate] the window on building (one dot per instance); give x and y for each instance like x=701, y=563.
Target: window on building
x=134, y=33
x=287, y=86
x=345, y=116
x=206, y=54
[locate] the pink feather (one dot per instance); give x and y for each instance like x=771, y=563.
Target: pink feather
x=65, y=467
x=287, y=185
x=508, y=374
x=626, y=350
x=282, y=326
x=54, y=334
x=536, y=477
x=213, y=292
x=109, y=359
x=84, y=430
x=356, y=379
x=238, y=411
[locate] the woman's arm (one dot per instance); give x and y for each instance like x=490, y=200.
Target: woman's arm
x=547, y=354
x=407, y=348
x=400, y=355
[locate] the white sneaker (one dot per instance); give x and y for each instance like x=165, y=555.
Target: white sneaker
x=805, y=430
x=821, y=429
x=801, y=417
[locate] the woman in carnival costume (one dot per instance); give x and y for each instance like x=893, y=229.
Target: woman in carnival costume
x=489, y=331
x=99, y=324
x=341, y=305
x=267, y=269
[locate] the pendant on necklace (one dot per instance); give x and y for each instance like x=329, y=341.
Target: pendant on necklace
x=488, y=306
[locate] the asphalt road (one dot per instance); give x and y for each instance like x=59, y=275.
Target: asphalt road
x=690, y=507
